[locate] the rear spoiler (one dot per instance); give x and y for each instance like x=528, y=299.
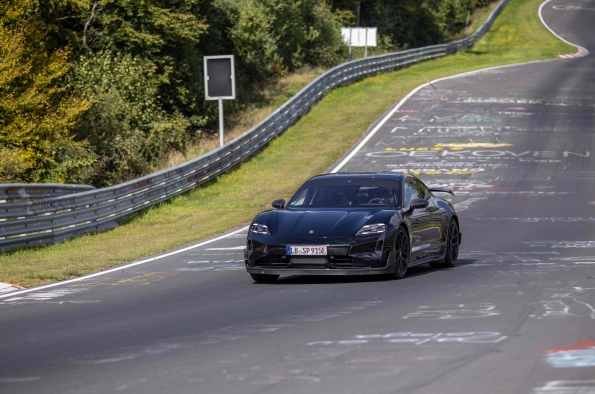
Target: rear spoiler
x=441, y=190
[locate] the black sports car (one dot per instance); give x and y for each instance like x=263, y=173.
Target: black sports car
x=354, y=224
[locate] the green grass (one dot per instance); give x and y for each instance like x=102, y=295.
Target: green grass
x=306, y=149
x=262, y=102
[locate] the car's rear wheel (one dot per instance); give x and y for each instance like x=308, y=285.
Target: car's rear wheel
x=453, y=240
x=402, y=252
x=264, y=278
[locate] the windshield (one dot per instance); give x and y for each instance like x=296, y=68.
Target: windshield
x=347, y=194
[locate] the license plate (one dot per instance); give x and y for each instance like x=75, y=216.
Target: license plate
x=317, y=250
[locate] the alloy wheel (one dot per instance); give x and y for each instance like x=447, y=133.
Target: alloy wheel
x=453, y=241
x=402, y=253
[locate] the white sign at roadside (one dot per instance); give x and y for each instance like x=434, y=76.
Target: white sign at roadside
x=359, y=36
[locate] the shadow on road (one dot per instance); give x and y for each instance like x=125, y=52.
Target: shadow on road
x=412, y=272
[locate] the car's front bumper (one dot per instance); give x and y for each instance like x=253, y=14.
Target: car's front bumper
x=346, y=256
x=321, y=271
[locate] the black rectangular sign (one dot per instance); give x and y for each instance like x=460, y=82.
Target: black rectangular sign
x=219, y=77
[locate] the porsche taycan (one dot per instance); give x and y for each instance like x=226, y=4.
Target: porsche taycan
x=354, y=224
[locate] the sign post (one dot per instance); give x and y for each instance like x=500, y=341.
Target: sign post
x=366, y=40
x=220, y=121
x=349, y=44
x=219, y=83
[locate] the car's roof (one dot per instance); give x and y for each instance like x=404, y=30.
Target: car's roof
x=362, y=175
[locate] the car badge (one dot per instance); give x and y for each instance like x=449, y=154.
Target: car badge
x=311, y=231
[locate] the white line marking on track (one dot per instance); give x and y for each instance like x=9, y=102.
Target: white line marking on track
x=230, y=248
x=588, y=306
x=581, y=51
x=378, y=126
x=125, y=266
x=567, y=387
x=7, y=288
x=45, y=295
x=414, y=91
x=22, y=379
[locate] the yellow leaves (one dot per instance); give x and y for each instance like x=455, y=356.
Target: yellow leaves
x=37, y=114
x=13, y=10
x=12, y=46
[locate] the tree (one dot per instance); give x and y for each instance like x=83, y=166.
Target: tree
x=139, y=65
x=37, y=114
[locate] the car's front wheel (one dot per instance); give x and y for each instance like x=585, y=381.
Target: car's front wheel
x=402, y=252
x=264, y=278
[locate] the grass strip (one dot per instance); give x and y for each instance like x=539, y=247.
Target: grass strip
x=309, y=147
x=263, y=101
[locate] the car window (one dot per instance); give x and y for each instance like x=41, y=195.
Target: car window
x=410, y=191
x=346, y=195
x=300, y=198
x=422, y=190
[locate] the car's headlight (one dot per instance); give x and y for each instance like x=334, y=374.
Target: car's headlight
x=372, y=229
x=259, y=229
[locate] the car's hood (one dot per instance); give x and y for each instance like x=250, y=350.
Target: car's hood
x=320, y=223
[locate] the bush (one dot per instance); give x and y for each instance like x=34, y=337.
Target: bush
x=272, y=37
x=37, y=114
x=125, y=125
x=416, y=23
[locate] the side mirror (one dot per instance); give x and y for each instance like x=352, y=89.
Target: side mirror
x=280, y=204
x=418, y=203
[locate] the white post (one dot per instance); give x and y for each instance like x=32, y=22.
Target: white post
x=350, y=30
x=366, y=50
x=220, y=122
x=467, y=24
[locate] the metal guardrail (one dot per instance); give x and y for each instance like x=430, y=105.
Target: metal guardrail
x=55, y=219
x=24, y=191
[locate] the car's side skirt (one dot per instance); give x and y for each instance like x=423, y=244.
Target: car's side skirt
x=426, y=260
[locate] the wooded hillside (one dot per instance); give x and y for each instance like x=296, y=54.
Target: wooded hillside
x=101, y=91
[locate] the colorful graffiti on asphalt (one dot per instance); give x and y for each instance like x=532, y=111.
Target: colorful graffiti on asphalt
x=579, y=355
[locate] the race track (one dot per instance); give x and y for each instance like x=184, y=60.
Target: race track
x=517, y=315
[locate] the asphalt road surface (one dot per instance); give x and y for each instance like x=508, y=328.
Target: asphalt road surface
x=516, y=316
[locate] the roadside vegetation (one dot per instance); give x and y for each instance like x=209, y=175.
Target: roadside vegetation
x=104, y=91
x=309, y=147
x=269, y=97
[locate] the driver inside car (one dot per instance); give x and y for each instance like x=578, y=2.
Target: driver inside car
x=383, y=196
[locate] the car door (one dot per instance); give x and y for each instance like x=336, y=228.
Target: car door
x=433, y=232
x=417, y=220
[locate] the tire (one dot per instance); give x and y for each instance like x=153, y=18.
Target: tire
x=403, y=252
x=453, y=241
x=264, y=278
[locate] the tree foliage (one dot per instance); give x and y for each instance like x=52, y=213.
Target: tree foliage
x=272, y=37
x=139, y=65
x=415, y=23
x=126, y=124
x=37, y=116
x=101, y=91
